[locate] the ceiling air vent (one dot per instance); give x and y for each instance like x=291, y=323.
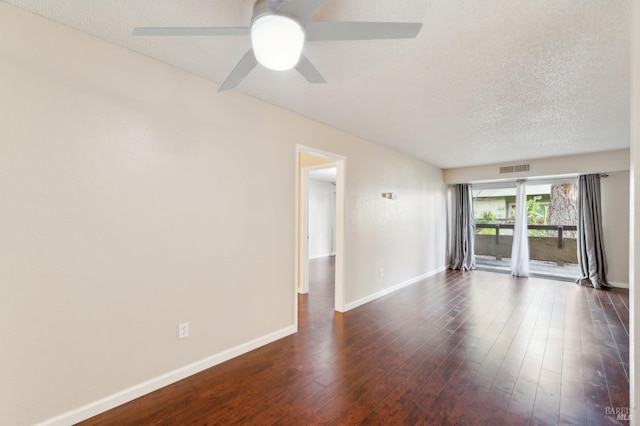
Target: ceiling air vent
x=514, y=169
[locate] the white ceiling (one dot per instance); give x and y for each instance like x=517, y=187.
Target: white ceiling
x=486, y=81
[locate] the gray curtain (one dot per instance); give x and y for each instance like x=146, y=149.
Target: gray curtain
x=591, y=256
x=462, y=255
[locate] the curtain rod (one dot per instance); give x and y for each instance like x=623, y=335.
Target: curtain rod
x=531, y=180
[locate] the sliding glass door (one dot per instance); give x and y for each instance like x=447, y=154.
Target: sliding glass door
x=494, y=208
x=551, y=218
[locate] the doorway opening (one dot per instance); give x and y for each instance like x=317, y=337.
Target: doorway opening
x=319, y=233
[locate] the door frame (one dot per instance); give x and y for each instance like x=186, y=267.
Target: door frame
x=301, y=260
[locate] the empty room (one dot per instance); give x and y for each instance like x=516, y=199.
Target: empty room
x=302, y=212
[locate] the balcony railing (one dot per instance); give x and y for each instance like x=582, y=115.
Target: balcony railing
x=558, y=248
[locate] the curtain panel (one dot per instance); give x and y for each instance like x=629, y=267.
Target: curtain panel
x=462, y=256
x=520, y=245
x=591, y=254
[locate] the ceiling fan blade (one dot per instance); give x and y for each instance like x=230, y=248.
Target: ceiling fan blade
x=321, y=31
x=190, y=31
x=244, y=67
x=301, y=9
x=308, y=71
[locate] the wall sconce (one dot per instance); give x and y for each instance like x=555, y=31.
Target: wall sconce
x=389, y=195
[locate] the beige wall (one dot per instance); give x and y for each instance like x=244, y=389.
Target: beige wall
x=134, y=197
x=379, y=231
x=615, y=227
x=601, y=162
x=634, y=270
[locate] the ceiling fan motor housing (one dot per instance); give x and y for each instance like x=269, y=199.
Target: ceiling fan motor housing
x=268, y=7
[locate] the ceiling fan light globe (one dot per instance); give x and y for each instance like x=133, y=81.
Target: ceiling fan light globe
x=277, y=41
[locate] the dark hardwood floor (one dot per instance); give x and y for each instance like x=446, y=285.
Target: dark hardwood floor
x=459, y=348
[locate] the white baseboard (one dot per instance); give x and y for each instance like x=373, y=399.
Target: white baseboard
x=389, y=290
x=619, y=285
x=126, y=395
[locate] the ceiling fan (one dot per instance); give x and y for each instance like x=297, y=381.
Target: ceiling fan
x=279, y=29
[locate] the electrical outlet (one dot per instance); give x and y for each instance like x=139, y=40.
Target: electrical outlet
x=380, y=273
x=183, y=330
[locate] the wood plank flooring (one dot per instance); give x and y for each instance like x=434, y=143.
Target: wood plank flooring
x=456, y=349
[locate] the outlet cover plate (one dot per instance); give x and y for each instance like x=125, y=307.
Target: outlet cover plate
x=183, y=330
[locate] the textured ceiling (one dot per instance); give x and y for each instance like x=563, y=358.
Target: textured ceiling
x=484, y=82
